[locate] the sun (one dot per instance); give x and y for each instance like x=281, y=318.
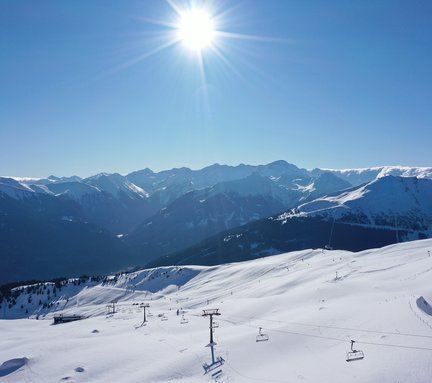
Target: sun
x=195, y=29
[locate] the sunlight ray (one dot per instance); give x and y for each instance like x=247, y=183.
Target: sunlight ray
x=219, y=53
x=155, y=21
x=139, y=58
x=201, y=68
x=224, y=15
x=241, y=36
x=174, y=7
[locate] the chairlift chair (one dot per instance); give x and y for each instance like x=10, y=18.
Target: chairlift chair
x=354, y=355
x=164, y=318
x=261, y=337
x=215, y=324
x=184, y=320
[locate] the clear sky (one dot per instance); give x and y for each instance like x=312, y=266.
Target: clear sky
x=87, y=86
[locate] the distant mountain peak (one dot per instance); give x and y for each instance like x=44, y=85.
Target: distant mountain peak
x=281, y=163
x=101, y=175
x=13, y=188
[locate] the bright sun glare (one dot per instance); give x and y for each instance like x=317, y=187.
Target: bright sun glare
x=198, y=26
x=195, y=29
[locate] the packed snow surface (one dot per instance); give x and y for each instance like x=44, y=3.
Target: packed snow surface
x=310, y=303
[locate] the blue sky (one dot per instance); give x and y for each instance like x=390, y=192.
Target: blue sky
x=332, y=84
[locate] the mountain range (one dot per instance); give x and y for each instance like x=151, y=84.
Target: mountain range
x=67, y=226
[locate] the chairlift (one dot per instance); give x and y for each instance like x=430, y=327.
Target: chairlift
x=354, y=354
x=261, y=337
x=184, y=320
x=215, y=324
x=164, y=318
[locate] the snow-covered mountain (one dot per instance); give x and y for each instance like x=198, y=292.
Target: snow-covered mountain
x=14, y=189
x=195, y=216
x=166, y=186
x=200, y=179
x=387, y=210
x=203, y=213
x=45, y=181
x=42, y=236
x=396, y=202
x=149, y=182
x=364, y=175
x=116, y=184
x=156, y=213
x=119, y=203
x=108, y=200
x=310, y=303
x=74, y=190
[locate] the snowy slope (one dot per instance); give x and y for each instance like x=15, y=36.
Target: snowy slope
x=168, y=185
x=402, y=202
x=74, y=190
x=107, y=200
x=202, y=213
x=364, y=175
x=310, y=303
x=14, y=189
x=115, y=184
x=289, y=189
x=75, y=187
x=195, y=216
x=151, y=182
x=45, y=181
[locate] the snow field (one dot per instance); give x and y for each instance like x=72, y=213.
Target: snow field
x=380, y=298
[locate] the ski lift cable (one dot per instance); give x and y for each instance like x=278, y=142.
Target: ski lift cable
x=333, y=338
x=358, y=342
x=331, y=231
x=337, y=328
x=363, y=330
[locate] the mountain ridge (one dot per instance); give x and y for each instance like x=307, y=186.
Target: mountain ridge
x=350, y=230
x=170, y=212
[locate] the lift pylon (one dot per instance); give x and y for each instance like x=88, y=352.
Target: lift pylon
x=216, y=361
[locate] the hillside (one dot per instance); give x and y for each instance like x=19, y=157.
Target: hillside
x=109, y=221
x=45, y=237
x=384, y=211
x=203, y=213
x=311, y=303
x=394, y=202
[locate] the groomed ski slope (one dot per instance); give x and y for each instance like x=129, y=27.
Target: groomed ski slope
x=381, y=298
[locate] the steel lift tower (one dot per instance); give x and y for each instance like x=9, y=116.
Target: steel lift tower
x=218, y=361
